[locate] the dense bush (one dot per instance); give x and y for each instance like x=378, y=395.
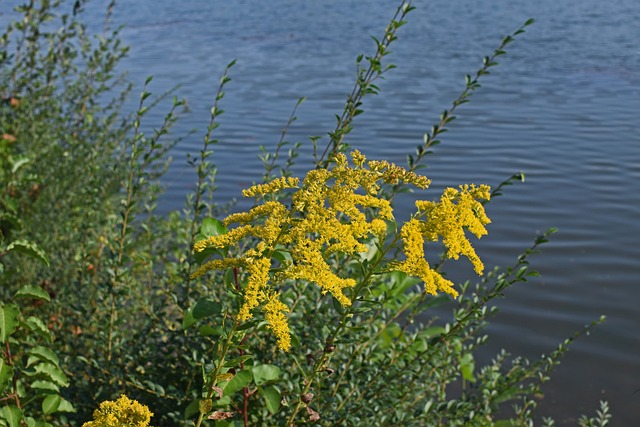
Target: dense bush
x=320, y=308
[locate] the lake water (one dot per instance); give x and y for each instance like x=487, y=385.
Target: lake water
x=563, y=107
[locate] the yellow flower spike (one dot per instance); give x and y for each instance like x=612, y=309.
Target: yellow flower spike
x=312, y=267
x=392, y=174
x=447, y=220
x=222, y=240
x=275, y=311
x=217, y=264
x=256, y=284
x=271, y=187
x=274, y=224
x=416, y=265
x=124, y=412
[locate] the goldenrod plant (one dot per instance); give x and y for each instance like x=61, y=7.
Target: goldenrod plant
x=315, y=306
x=327, y=218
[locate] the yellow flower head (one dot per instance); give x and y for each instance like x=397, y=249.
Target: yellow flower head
x=336, y=210
x=124, y=412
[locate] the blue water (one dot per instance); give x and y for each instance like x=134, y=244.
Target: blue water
x=563, y=107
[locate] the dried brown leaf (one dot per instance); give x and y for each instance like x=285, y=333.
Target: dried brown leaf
x=220, y=415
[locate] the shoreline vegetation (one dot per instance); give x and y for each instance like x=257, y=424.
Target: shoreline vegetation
x=312, y=307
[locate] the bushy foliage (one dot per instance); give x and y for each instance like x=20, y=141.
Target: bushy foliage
x=317, y=312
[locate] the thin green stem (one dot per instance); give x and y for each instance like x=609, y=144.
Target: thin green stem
x=269, y=167
x=364, y=85
x=216, y=372
x=447, y=116
x=124, y=225
x=203, y=170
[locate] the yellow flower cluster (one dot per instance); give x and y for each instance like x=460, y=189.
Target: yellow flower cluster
x=124, y=412
x=271, y=187
x=446, y=220
x=328, y=215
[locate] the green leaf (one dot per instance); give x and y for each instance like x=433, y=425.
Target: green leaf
x=205, y=308
x=237, y=361
x=238, y=382
x=8, y=320
x=45, y=385
x=28, y=248
x=43, y=353
x=199, y=257
x=337, y=305
x=401, y=282
x=265, y=373
x=192, y=409
x=283, y=257
x=188, y=319
x=250, y=324
x=272, y=398
x=36, y=325
x=66, y=406
x=50, y=404
x=372, y=251
x=210, y=331
x=432, y=332
x=53, y=372
x=389, y=335
x=31, y=291
x=12, y=414
x=18, y=163
x=6, y=373
x=212, y=227
x=467, y=366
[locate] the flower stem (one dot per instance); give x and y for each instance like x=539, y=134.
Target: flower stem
x=220, y=364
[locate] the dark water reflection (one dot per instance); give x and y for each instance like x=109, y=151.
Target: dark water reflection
x=563, y=107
